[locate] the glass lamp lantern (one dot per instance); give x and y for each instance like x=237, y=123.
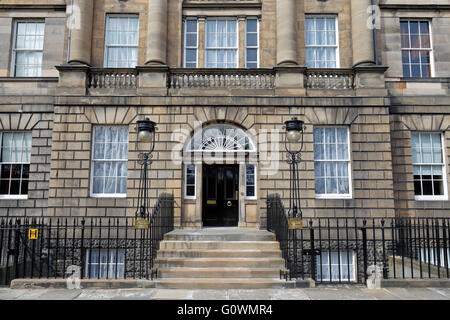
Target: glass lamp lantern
x=146, y=132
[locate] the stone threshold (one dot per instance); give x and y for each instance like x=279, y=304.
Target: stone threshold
x=120, y=284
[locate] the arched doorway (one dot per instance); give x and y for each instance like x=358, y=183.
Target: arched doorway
x=215, y=173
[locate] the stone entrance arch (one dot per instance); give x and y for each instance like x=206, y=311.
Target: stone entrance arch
x=220, y=144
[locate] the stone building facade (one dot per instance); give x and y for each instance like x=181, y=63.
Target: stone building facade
x=363, y=90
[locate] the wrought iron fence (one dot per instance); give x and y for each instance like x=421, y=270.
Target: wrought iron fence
x=99, y=247
x=350, y=250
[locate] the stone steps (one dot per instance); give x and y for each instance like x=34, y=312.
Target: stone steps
x=220, y=262
x=217, y=284
x=218, y=245
x=219, y=258
x=220, y=234
x=224, y=253
x=219, y=272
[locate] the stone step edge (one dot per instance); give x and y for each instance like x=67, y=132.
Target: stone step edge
x=139, y=283
x=228, y=283
x=216, y=269
x=217, y=259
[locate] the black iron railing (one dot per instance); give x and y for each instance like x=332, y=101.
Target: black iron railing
x=350, y=250
x=96, y=247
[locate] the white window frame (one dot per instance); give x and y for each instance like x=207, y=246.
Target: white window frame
x=14, y=196
x=113, y=254
x=186, y=184
x=350, y=178
x=104, y=195
x=432, y=68
x=444, y=170
x=185, y=43
x=336, y=19
x=352, y=260
x=14, y=43
x=114, y=15
x=217, y=48
x=257, y=44
x=255, y=197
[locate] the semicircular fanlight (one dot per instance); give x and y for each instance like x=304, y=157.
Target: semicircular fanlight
x=220, y=138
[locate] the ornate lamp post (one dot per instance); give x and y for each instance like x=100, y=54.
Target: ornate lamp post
x=294, y=146
x=145, y=136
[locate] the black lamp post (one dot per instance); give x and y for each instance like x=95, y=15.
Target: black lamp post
x=294, y=146
x=145, y=136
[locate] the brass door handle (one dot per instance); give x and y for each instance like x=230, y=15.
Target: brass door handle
x=229, y=204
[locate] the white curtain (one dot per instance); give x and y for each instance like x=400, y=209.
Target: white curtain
x=221, y=43
x=122, y=40
x=16, y=147
x=321, y=42
x=107, y=264
x=331, y=155
x=28, y=49
x=110, y=160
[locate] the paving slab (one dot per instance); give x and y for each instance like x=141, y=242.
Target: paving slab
x=90, y=294
x=247, y=294
x=173, y=294
x=337, y=294
x=8, y=294
x=135, y=294
x=59, y=294
x=380, y=294
x=416, y=293
x=443, y=291
x=31, y=294
x=289, y=294
x=210, y=295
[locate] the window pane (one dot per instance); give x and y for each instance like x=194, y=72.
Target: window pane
x=319, y=169
x=191, y=26
x=252, y=54
x=320, y=186
x=191, y=40
x=122, y=39
x=252, y=39
x=112, y=144
x=252, y=25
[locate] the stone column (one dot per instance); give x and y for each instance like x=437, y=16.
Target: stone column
x=201, y=42
x=286, y=33
x=241, y=37
x=81, y=33
x=157, y=32
x=362, y=36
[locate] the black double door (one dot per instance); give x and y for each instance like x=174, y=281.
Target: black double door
x=220, y=195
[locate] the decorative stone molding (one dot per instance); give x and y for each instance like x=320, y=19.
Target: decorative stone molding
x=236, y=115
x=110, y=115
x=19, y=121
x=426, y=122
x=334, y=116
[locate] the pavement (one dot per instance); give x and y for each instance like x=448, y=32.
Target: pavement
x=320, y=293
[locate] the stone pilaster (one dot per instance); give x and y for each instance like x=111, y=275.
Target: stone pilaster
x=81, y=32
x=362, y=36
x=157, y=32
x=286, y=33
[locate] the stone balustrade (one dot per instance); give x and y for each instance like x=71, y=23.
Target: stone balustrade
x=330, y=79
x=166, y=80
x=222, y=78
x=100, y=78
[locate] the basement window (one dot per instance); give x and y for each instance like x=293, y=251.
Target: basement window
x=334, y=266
x=104, y=263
